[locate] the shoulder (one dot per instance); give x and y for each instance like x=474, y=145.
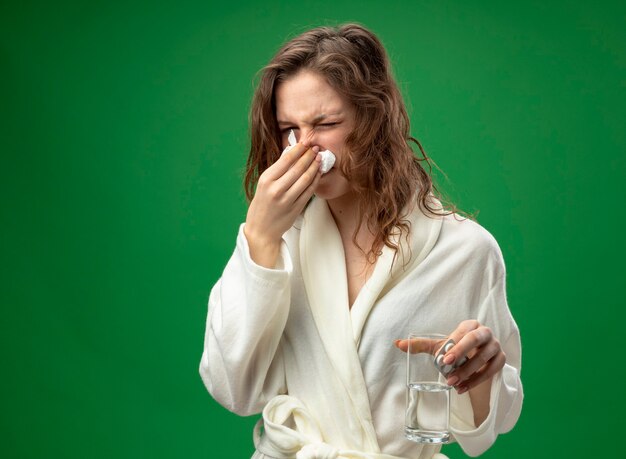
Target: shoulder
x=465, y=238
x=465, y=231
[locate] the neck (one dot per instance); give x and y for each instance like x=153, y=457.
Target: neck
x=344, y=211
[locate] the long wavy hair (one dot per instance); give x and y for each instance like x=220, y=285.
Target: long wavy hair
x=379, y=162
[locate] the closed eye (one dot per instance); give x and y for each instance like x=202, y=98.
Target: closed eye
x=295, y=128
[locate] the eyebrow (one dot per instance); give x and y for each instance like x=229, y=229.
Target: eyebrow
x=315, y=120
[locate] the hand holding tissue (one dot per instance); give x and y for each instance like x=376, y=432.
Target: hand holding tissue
x=328, y=157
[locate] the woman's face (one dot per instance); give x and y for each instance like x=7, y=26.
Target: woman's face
x=307, y=104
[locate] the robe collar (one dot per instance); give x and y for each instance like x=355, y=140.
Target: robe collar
x=323, y=267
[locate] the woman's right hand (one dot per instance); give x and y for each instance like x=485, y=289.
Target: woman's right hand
x=281, y=194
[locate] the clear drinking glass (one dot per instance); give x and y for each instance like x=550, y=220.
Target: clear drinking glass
x=427, y=415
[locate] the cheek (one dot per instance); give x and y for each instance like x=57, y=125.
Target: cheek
x=333, y=141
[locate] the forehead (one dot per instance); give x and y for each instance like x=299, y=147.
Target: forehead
x=307, y=95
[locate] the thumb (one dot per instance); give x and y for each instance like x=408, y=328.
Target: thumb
x=418, y=345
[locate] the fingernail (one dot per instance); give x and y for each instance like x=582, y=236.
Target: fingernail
x=396, y=342
x=453, y=380
x=316, y=149
x=448, y=359
x=461, y=390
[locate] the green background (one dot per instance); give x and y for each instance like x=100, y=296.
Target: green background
x=123, y=139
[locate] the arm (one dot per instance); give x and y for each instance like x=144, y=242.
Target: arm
x=241, y=364
x=495, y=389
x=488, y=396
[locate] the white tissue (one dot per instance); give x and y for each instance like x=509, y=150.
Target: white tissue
x=328, y=157
x=291, y=138
x=328, y=161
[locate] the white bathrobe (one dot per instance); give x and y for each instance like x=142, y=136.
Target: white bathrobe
x=290, y=330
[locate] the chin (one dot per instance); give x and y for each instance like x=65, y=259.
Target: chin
x=332, y=186
x=323, y=194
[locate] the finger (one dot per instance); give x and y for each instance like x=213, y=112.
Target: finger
x=419, y=345
x=287, y=180
x=307, y=193
x=463, y=329
x=482, y=356
x=304, y=181
x=482, y=375
x=472, y=340
x=469, y=335
x=284, y=163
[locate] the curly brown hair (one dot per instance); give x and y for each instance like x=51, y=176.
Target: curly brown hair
x=379, y=164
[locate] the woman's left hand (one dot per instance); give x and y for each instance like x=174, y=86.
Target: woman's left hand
x=483, y=351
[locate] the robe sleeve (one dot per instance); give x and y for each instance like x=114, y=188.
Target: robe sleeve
x=241, y=364
x=506, y=395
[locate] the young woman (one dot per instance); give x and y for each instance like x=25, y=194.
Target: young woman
x=330, y=270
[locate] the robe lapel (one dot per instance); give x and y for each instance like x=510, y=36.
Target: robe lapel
x=424, y=233
x=323, y=266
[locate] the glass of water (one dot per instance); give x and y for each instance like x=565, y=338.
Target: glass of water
x=427, y=415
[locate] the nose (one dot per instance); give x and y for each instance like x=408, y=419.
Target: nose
x=307, y=136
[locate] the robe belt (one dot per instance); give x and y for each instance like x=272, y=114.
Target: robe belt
x=305, y=441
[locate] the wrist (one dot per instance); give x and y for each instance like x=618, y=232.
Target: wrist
x=264, y=251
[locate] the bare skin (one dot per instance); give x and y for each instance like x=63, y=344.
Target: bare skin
x=282, y=192
x=358, y=270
